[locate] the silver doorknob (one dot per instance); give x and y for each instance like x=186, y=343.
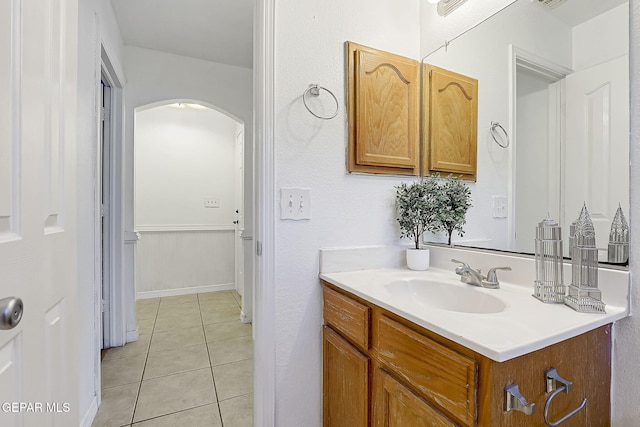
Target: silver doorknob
x=10, y=312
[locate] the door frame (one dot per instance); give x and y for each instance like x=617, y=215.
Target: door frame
x=115, y=314
x=520, y=58
x=264, y=335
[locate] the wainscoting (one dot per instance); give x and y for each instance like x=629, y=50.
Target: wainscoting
x=171, y=261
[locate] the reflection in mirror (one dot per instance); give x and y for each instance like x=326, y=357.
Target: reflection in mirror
x=557, y=80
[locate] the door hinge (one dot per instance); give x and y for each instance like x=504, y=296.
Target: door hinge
x=258, y=248
x=104, y=114
x=103, y=306
x=102, y=210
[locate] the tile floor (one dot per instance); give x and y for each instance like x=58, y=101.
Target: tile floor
x=192, y=366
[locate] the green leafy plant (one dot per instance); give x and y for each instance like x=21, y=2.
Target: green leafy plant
x=456, y=201
x=418, y=205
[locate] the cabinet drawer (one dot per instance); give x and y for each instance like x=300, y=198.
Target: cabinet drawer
x=347, y=316
x=444, y=377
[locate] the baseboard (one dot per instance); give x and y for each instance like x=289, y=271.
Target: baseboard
x=246, y=318
x=90, y=415
x=185, y=291
x=132, y=336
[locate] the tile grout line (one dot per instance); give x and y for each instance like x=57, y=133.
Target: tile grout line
x=146, y=359
x=213, y=379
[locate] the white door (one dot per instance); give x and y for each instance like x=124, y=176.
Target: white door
x=597, y=146
x=239, y=202
x=38, y=66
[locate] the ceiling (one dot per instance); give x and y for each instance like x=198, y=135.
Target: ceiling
x=213, y=30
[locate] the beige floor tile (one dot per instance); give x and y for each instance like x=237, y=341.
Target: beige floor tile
x=232, y=350
x=238, y=411
x=147, y=309
x=145, y=326
x=166, y=395
x=218, y=304
x=179, y=299
x=214, y=296
x=226, y=330
x=237, y=297
x=233, y=379
x=147, y=302
x=226, y=314
x=178, y=321
x=122, y=371
x=117, y=406
x=177, y=360
x=203, y=416
x=176, y=339
x=130, y=349
x=172, y=310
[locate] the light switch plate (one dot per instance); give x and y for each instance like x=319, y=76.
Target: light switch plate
x=499, y=207
x=211, y=202
x=295, y=203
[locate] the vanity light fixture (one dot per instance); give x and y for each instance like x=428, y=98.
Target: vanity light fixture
x=433, y=1
x=445, y=7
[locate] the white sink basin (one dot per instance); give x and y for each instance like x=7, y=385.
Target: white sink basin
x=448, y=297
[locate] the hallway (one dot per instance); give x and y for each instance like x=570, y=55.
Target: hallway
x=192, y=365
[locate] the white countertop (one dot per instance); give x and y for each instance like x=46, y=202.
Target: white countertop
x=525, y=325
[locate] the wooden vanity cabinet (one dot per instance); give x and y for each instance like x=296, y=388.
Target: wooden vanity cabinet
x=383, y=112
x=382, y=370
x=450, y=123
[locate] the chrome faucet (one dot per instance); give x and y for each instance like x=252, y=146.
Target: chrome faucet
x=472, y=277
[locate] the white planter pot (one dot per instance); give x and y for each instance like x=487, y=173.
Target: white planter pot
x=418, y=259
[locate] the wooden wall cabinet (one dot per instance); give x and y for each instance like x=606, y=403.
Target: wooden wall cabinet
x=383, y=111
x=450, y=122
x=399, y=374
x=385, y=116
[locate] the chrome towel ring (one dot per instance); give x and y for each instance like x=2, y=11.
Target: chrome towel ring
x=497, y=135
x=314, y=90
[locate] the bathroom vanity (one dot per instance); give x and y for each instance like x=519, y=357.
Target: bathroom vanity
x=402, y=348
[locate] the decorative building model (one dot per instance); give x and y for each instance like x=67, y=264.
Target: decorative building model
x=549, y=286
x=584, y=295
x=619, y=239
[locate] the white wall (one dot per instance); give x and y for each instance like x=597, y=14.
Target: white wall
x=183, y=156
x=346, y=209
x=600, y=39
x=96, y=24
x=154, y=77
x=436, y=30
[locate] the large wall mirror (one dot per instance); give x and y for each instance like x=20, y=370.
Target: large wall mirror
x=557, y=80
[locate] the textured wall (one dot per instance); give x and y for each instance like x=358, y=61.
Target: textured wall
x=346, y=209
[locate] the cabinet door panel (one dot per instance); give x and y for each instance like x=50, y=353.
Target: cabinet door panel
x=345, y=383
x=397, y=406
x=441, y=375
x=452, y=122
x=383, y=112
x=348, y=317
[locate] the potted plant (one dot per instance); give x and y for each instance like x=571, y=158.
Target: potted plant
x=417, y=207
x=456, y=201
